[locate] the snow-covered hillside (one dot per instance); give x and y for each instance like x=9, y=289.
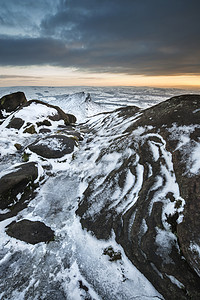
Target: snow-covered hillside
x=107, y=208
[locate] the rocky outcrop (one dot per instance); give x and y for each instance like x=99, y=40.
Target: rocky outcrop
x=15, y=182
x=52, y=135
x=32, y=232
x=35, y=115
x=53, y=146
x=16, y=188
x=58, y=115
x=16, y=123
x=151, y=197
x=52, y=131
x=10, y=103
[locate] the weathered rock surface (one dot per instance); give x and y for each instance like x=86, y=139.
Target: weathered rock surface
x=151, y=198
x=10, y=103
x=32, y=232
x=35, y=115
x=16, y=123
x=53, y=146
x=16, y=187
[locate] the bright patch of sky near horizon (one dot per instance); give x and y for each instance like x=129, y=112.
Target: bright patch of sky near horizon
x=57, y=76
x=130, y=43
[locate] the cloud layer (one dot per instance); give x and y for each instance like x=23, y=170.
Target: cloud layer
x=132, y=36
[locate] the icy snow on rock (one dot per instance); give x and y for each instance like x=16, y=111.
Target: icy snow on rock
x=118, y=190
x=53, y=144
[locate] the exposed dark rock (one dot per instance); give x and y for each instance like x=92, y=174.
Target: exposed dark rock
x=69, y=119
x=53, y=146
x=171, y=263
x=44, y=123
x=44, y=130
x=128, y=111
x=16, y=123
x=82, y=286
x=114, y=255
x=30, y=130
x=195, y=135
x=18, y=146
x=32, y=232
x=88, y=98
x=11, y=102
x=20, y=181
x=188, y=230
x=179, y=110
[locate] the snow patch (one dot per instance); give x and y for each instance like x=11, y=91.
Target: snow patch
x=195, y=157
x=175, y=281
x=165, y=240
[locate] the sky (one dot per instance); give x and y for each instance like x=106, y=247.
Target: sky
x=93, y=42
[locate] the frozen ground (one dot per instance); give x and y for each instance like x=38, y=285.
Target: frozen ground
x=73, y=266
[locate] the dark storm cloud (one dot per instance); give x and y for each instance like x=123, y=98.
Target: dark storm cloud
x=154, y=37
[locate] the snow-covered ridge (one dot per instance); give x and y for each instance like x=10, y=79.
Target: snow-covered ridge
x=136, y=173
x=108, y=98
x=79, y=104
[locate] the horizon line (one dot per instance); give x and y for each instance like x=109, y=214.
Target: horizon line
x=111, y=86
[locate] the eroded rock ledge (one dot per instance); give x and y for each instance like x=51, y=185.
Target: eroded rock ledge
x=151, y=198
